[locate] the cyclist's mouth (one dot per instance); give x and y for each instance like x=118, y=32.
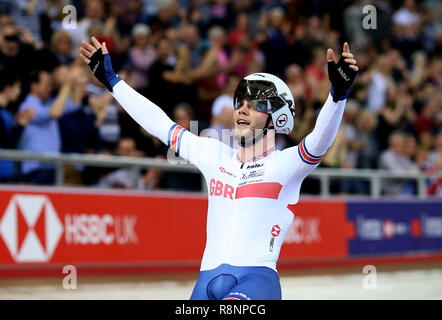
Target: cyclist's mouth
x=241, y=123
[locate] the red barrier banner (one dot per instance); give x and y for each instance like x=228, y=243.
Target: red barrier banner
x=61, y=227
x=319, y=230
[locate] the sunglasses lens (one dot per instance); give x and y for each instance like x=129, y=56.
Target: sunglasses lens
x=262, y=105
x=258, y=105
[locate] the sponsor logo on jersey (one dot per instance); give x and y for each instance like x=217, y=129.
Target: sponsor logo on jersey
x=276, y=230
x=223, y=170
x=272, y=242
x=218, y=188
x=252, y=174
x=268, y=190
x=254, y=166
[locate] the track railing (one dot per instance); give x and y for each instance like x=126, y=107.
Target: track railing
x=324, y=175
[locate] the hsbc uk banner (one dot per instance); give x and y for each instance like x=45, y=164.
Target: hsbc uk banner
x=59, y=227
x=395, y=227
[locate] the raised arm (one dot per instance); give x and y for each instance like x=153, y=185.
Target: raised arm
x=313, y=147
x=147, y=114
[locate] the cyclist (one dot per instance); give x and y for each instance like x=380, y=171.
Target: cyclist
x=252, y=191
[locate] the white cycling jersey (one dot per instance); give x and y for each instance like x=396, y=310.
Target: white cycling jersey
x=250, y=204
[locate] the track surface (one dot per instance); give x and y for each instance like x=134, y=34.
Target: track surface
x=412, y=281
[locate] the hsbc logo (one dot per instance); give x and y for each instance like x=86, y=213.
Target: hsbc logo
x=30, y=228
x=388, y=228
x=276, y=230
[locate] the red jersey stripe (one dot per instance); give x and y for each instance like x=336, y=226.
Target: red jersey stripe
x=268, y=190
x=175, y=133
x=306, y=156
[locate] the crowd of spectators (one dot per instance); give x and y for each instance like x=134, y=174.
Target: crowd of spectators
x=187, y=57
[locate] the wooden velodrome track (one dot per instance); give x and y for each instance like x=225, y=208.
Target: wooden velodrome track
x=405, y=281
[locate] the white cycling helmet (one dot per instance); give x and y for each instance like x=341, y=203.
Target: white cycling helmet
x=271, y=95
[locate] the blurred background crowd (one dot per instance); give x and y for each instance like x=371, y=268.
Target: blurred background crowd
x=187, y=56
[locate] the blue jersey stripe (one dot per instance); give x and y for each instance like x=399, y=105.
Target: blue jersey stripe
x=305, y=160
x=178, y=141
x=170, y=134
x=309, y=154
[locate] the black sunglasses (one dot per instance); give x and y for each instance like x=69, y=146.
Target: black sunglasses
x=268, y=105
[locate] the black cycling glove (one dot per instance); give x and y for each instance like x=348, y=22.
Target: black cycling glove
x=341, y=77
x=101, y=67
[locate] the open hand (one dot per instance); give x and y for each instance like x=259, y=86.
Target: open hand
x=97, y=57
x=341, y=74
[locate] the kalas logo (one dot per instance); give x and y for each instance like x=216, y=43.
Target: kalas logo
x=30, y=228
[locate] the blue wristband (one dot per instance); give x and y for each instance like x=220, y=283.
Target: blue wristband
x=342, y=95
x=111, y=77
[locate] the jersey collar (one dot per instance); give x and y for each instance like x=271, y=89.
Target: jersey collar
x=259, y=157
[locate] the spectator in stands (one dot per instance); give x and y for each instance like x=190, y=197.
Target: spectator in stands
x=316, y=77
x=127, y=13
x=42, y=132
x=196, y=45
x=222, y=110
x=309, y=36
x=428, y=121
x=354, y=145
x=337, y=153
x=124, y=178
x=410, y=147
x=182, y=115
x=395, y=160
x=366, y=124
x=14, y=54
x=141, y=56
x=106, y=110
x=304, y=120
x=160, y=89
x=295, y=81
x=212, y=73
x=148, y=11
x=79, y=128
x=27, y=14
x=434, y=164
x=435, y=157
x=11, y=127
x=94, y=11
x=397, y=114
x=406, y=27
x=380, y=82
x=275, y=46
x=241, y=31
x=61, y=45
x=167, y=17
